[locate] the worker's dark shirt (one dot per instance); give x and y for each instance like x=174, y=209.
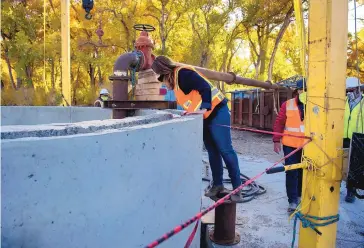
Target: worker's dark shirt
x=189, y=80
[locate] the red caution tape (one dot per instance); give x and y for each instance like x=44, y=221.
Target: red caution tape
x=265, y=132
x=192, y=235
x=198, y=216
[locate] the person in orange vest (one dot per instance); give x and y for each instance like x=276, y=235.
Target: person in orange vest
x=290, y=121
x=197, y=95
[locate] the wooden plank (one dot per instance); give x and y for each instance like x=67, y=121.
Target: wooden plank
x=240, y=112
x=150, y=97
x=148, y=86
x=147, y=76
x=250, y=123
x=141, y=92
x=261, y=109
x=208, y=218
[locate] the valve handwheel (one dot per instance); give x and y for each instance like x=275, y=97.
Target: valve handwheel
x=144, y=27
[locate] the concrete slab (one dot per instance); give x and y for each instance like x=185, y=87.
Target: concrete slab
x=34, y=115
x=119, y=187
x=63, y=129
x=264, y=222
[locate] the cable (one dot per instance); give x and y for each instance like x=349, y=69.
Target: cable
x=249, y=192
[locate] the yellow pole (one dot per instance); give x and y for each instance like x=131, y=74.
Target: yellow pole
x=66, y=60
x=300, y=30
x=327, y=43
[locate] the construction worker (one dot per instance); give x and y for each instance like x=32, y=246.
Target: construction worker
x=353, y=118
x=290, y=121
x=104, y=96
x=198, y=96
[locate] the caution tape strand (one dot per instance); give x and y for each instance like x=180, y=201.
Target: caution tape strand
x=265, y=132
x=198, y=216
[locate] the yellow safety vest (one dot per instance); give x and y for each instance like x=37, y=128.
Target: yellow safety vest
x=192, y=102
x=354, y=119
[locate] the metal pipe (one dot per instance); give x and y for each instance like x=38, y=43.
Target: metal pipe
x=229, y=78
x=128, y=61
x=120, y=78
x=224, y=228
x=119, y=93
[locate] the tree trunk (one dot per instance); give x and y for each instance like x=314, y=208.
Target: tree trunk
x=53, y=80
x=278, y=39
x=91, y=73
x=19, y=82
x=263, y=58
x=100, y=76
x=60, y=72
x=29, y=75
x=76, y=85
x=10, y=70
x=204, y=58
x=162, y=29
x=256, y=66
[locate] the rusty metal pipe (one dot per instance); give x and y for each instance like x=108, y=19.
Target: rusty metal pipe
x=127, y=61
x=120, y=78
x=119, y=93
x=224, y=228
x=229, y=78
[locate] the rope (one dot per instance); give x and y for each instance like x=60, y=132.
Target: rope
x=133, y=78
x=306, y=223
x=258, y=102
x=264, y=132
x=275, y=102
x=192, y=235
x=198, y=216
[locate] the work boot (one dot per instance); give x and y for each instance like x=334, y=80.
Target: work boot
x=292, y=207
x=237, y=198
x=350, y=197
x=214, y=190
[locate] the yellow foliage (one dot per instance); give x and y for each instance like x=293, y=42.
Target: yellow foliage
x=27, y=96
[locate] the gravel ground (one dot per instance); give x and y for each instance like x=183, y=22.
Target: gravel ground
x=253, y=144
x=264, y=222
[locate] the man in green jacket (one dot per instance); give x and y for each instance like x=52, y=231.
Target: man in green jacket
x=353, y=118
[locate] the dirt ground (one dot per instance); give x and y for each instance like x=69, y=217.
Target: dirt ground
x=264, y=222
x=253, y=145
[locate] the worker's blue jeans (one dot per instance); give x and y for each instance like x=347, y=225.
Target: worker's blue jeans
x=218, y=143
x=293, y=177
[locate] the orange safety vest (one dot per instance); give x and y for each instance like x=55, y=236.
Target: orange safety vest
x=294, y=125
x=192, y=102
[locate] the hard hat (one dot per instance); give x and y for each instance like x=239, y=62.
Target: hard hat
x=104, y=92
x=352, y=82
x=301, y=83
